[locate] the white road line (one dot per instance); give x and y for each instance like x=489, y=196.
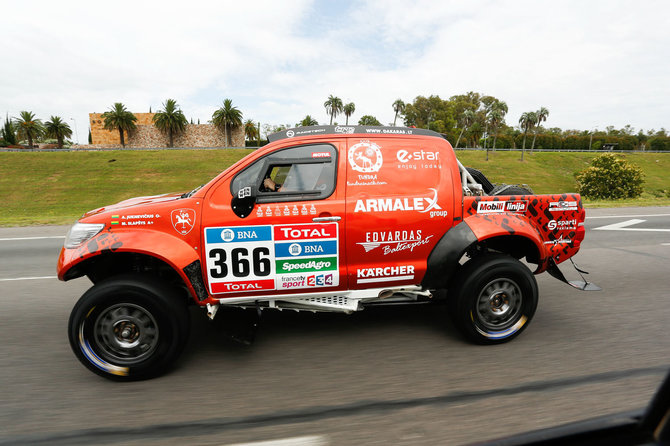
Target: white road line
x=29, y=278
x=623, y=226
x=626, y=216
x=30, y=238
x=665, y=244
x=315, y=440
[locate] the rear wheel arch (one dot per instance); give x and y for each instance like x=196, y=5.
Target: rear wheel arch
x=517, y=246
x=447, y=256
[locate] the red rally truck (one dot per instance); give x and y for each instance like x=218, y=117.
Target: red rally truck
x=324, y=218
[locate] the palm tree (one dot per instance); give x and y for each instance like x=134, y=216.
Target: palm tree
x=398, y=108
x=495, y=118
x=170, y=120
x=526, y=122
x=498, y=112
x=250, y=130
x=333, y=107
x=542, y=114
x=227, y=118
x=467, y=118
x=57, y=128
x=28, y=127
x=118, y=118
x=348, y=110
x=307, y=122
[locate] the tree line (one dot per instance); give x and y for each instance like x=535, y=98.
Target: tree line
x=468, y=120
x=170, y=120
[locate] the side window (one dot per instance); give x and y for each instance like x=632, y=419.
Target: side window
x=297, y=173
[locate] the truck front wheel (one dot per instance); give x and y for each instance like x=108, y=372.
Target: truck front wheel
x=493, y=298
x=128, y=328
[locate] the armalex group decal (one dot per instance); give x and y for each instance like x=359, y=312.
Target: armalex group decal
x=269, y=257
x=424, y=204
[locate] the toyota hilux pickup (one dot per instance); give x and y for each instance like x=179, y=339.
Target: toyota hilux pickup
x=323, y=218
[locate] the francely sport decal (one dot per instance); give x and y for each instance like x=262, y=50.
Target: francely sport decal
x=268, y=257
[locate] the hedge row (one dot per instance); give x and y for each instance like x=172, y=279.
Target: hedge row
x=547, y=141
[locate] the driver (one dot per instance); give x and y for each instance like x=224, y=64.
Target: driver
x=270, y=185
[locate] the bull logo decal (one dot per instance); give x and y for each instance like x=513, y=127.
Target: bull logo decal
x=183, y=220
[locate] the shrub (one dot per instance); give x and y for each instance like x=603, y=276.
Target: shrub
x=659, y=143
x=610, y=177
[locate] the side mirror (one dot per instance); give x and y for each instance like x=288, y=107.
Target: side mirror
x=243, y=202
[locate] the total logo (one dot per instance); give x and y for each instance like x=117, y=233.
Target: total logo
x=420, y=204
x=308, y=231
x=365, y=157
x=562, y=225
x=497, y=207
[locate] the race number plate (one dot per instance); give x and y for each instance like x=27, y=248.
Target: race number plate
x=269, y=257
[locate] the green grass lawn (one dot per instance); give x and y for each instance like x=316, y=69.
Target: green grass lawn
x=57, y=187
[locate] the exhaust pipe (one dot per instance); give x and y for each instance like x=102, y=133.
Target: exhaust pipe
x=384, y=294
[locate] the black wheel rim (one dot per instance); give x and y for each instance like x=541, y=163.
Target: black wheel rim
x=499, y=305
x=125, y=333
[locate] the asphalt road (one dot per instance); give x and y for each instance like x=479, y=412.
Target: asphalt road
x=383, y=376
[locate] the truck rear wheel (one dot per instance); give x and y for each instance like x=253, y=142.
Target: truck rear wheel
x=128, y=328
x=493, y=299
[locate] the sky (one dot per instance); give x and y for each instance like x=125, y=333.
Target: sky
x=590, y=63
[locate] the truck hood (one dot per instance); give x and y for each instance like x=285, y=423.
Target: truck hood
x=134, y=202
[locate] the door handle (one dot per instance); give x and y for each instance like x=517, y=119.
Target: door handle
x=324, y=219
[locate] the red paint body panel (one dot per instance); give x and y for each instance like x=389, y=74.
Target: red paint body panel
x=394, y=198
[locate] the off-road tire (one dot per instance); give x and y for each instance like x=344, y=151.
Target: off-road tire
x=129, y=328
x=492, y=298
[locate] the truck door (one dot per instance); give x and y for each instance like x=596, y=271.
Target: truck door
x=277, y=226
x=398, y=206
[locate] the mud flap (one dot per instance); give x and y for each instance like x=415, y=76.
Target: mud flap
x=239, y=325
x=582, y=285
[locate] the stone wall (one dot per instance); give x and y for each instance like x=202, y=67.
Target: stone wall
x=106, y=137
x=196, y=135
x=146, y=135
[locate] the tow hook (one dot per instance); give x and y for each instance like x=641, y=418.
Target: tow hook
x=582, y=285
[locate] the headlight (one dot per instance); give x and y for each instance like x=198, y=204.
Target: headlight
x=80, y=232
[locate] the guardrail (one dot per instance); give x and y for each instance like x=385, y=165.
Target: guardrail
x=479, y=149
x=475, y=149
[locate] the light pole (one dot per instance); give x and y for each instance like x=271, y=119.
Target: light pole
x=76, y=135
